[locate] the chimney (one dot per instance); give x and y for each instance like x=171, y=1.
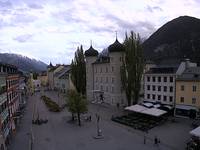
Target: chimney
x=187, y=63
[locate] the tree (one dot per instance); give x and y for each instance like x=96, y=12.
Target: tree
x=78, y=71
x=76, y=104
x=132, y=67
x=35, y=75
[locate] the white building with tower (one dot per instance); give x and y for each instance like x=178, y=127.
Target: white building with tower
x=103, y=79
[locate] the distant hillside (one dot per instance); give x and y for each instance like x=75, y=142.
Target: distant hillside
x=176, y=39
x=24, y=63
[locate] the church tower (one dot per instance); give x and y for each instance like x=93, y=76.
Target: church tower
x=91, y=55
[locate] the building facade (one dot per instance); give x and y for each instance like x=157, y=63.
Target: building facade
x=160, y=82
x=160, y=85
x=188, y=93
x=62, y=80
x=43, y=78
x=13, y=99
x=4, y=111
x=103, y=79
x=9, y=101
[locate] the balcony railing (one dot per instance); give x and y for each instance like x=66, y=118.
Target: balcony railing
x=4, y=115
x=3, y=98
x=6, y=131
x=2, y=89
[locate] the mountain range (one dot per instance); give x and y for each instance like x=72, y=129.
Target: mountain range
x=174, y=41
x=23, y=63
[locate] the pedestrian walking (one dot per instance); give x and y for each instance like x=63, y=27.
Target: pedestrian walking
x=156, y=140
x=144, y=139
x=90, y=118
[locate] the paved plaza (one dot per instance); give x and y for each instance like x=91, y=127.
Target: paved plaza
x=60, y=134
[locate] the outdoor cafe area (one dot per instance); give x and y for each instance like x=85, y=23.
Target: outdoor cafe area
x=142, y=118
x=194, y=143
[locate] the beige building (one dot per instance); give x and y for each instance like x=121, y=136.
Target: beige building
x=43, y=78
x=103, y=80
x=51, y=71
x=159, y=82
x=59, y=78
x=188, y=92
x=62, y=79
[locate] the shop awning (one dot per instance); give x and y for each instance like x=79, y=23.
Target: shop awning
x=136, y=108
x=144, y=110
x=196, y=132
x=154, y=112
x=148, y=104
x=186, y=107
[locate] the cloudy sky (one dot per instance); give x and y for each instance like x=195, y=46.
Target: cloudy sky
x=51, y=30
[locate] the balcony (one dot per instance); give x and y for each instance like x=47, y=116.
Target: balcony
x=3, y=98
x=2, y=89
x=6, y=131
x=4, y=115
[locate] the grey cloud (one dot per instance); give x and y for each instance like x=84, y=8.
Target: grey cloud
x=23, y=18
x=100, y=29
x=5, y=4
x=68, y=16
x=154, y=8
x=142, y=27
x=35, y=6
x=23, y=38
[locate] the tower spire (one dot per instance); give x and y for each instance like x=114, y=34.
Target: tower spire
x=91, y=43
x=116, y=35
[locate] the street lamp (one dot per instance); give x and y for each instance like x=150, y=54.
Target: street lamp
x=99, y=132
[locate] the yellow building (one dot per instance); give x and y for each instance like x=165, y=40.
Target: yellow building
x=43, y=78
x=188, y=93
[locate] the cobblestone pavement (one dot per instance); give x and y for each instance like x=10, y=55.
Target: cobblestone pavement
x=59, y=134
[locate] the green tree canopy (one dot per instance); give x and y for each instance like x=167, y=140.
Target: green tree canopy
x=78, y=70
x=132, y=68
x=35, y=75
x=76, y=104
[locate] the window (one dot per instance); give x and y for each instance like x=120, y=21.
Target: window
x=193, y=100
x=171, y=89
x=106, y=79
x=159, y=79
x=171, y=79
x=106, y=69
x=112, y=80
x=112, y=89
x=153, y=97
x=106, y=89
x=182, y=99
x=159, y=97
x=148, y=96
x=154, y=79
x=101, y=79
x=171, y=98
x=112, y=69
x=182, y=87
x=148, y=87
x=165, y=88
x=165, y=79
x=148, y=79
x=159, y=88
x=101, y=87
x=101, y=70
x=164, y=98
x=154, y=87
x=194, y=88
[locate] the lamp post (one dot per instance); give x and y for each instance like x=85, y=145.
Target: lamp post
x=99, y=132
